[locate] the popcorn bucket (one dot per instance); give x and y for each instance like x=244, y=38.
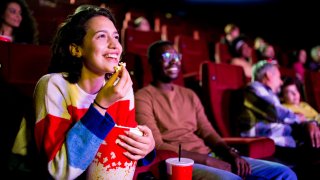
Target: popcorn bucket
x=112, y=163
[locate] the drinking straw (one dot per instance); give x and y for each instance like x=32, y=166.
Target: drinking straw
x=179, y=152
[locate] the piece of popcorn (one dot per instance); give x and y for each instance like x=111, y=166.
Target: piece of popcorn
x=118, y=68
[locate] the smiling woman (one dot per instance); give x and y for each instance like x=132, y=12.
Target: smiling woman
x=78, y=104
x=16, y=22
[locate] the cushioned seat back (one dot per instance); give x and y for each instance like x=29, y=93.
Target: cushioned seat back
x=194, y=52
x=312, y=89
x=222, y=54
x=137, y=42
x=222, y=86
x=26, y=64
x=287, y=72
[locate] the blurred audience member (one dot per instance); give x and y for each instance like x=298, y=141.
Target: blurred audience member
x=273, y=118
x=267, y=52
x=297, y=62
x=242, y=56
x=314, y=63
x=49, y=3
x=259, y=43
x=223, y=52
x=142, y=24
x=232, y=32
x=297, y=141
x=291, y=100
x=17, y=23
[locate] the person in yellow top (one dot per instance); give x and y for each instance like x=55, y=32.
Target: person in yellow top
x=292, y=100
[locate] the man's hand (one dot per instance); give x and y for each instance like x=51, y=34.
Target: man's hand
x=241, y=167
x=314, y=134
x=301, y=117
x=217, y=163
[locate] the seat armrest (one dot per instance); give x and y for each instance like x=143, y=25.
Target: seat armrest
x=254, y=147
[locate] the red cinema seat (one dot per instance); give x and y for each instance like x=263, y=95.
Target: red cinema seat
x=222, y=86
x=222, y=53
x=312, y=88
x=137, y=42
x=27, y=63
x=194, y=52
x=287, y=72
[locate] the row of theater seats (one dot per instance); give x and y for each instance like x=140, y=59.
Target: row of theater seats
x=34, y=63
x=23, y=64
x=136, y=43
x=216, y=80
x=167, y=24
x=222, y=96
x=218, y=83
x=48, y=19
x=194, y=52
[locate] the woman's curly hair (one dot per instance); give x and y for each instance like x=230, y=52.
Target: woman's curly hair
x=73, y=30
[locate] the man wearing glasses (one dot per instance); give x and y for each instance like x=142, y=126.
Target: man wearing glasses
x=176, y=116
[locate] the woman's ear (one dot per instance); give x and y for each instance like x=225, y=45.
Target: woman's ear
x=75, y=50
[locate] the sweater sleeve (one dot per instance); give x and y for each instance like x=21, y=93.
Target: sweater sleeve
x=69, y=145
x=148, y=159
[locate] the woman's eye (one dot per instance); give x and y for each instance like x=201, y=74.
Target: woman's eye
x=101, y=36
x=13, y=11
x=117, y=37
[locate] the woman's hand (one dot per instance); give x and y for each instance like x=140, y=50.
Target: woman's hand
x=137, y=146
x=111, y=92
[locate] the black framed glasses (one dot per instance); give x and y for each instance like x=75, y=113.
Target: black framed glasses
x=168, y=57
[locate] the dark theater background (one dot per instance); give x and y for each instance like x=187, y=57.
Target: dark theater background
x=289, y=24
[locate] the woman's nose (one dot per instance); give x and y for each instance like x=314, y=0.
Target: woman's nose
x=114, y=43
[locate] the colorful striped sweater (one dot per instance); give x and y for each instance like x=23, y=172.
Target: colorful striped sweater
x=71, y=132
